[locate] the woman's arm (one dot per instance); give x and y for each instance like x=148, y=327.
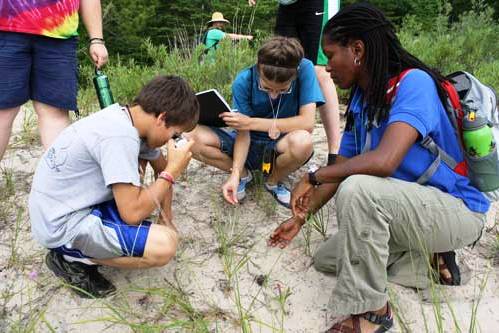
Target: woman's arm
x=382, y=161
x=238, y=36
x=305, y=120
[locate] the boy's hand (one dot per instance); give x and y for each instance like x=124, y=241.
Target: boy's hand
x=251, y=2
x=236, y=120
x=229, y=189
x=178, y=158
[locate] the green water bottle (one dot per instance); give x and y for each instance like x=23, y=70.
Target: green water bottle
x=103, y=89
x=477, y=136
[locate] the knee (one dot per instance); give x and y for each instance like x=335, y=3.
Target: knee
x=318, y=261
x=198, y=139
x=300, y=144
x=165, y=250
x=355, y=190
x=45, y=111
x=322, y=262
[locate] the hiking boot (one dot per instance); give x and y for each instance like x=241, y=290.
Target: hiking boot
x=280, y=193
x=86, y=279
x=241, y=189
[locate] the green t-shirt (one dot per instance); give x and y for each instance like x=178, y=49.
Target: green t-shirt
x=213, y=36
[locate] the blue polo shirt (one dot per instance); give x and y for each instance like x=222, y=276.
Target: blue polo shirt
x=418, y=105
x=248, y=99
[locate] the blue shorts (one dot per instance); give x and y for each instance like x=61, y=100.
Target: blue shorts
x=254, y=160
x=38, y=68
x=103, y=235
x=255, y=153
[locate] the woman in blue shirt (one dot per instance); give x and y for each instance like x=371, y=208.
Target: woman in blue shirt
x=275, y=102
x=390, y=223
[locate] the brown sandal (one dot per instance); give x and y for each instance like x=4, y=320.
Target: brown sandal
x=449, y=264
x=386, y=322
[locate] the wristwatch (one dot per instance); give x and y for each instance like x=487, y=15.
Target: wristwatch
x=311, y=175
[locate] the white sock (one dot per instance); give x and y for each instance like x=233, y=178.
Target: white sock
x=270, y=186
x=85, y=261
x=248, y=175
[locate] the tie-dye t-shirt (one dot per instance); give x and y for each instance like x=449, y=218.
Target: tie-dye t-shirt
x=52, y=18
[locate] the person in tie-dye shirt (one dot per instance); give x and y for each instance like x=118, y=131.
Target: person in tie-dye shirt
x=38, y=43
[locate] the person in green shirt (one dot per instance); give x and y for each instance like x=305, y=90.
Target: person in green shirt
x=215, y=34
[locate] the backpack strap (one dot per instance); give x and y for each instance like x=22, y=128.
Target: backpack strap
x=440, y=155
x=428, y=143
x=205, y=39
x=252, y=69
x=393, y=85
x=455, y=114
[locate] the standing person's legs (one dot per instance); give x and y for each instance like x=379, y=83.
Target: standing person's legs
x=51, y=121
x=54, y=84
x=330, y=111
x=15, y=67
x=310, y=22
x=382, y=216
x=286, y=24
x=7, y=117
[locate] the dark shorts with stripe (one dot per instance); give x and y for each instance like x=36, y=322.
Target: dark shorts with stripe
x=104, y=235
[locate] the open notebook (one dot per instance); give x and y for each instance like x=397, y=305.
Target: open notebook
x=211, y=105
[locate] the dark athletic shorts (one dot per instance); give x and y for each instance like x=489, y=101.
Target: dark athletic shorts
x=302, y=20
x=227, y=137
x=105, y=235
x=39, y=68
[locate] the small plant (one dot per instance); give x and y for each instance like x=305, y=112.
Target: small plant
x=315, y=222
x=306, y=231
x=28, y=134
x=320, y=221
x=282, y=298
x=8, y=188
x=262, y=198
x=14, y=254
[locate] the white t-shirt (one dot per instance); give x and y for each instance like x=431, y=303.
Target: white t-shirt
x=77, y=171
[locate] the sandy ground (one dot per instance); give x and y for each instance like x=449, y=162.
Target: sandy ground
x=203, y=282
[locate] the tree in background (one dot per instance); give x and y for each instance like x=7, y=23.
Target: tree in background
x=128, y=23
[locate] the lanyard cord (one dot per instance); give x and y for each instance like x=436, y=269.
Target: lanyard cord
x=127, y=109
x=275, y=114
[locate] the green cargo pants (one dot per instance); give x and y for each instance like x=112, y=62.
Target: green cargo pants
x=387, y=230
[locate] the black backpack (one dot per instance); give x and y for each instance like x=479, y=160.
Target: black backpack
x=203, y=54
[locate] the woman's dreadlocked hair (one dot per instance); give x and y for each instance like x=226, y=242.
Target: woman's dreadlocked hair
x=384, y=55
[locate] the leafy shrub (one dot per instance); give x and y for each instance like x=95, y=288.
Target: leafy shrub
x=126, y=78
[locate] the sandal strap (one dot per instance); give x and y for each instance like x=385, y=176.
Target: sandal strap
x=340, y=328
x=385, y=320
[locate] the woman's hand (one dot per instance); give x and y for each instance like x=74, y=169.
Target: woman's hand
x=300, y=197
x=236, y=120
x=229, y=189
x=284, y=233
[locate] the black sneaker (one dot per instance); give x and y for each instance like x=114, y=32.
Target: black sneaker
x=86, y=278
